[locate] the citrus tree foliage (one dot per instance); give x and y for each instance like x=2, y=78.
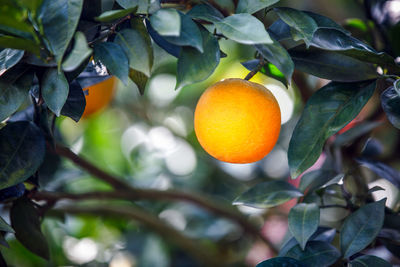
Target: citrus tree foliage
x=46, y=46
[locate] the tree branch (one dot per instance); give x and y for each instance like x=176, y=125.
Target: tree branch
x=128, y=192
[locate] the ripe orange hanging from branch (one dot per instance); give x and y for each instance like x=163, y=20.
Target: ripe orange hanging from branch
x=237, y=121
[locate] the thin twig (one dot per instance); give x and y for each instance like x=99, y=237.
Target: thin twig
x=257, y=69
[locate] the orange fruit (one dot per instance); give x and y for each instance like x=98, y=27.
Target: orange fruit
x=237, y=121
x=99, y=96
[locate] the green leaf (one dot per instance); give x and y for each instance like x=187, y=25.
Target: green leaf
x=114, y=58
x=252, y=6
x=79, y=53
x=390, y=101
x=303, y=24
x=139, y=79
x=327, y=111
x=112, y=15
x=137, y=48
x=8, y=58
x=268, y=194
x=277, y=55
x=315, y=179
x=76, y=102
x=205, y=12
x=194, y=66
x=5, y=227
x=32, y=5
x=13, y=94
x=382, y=170
x=325, y=22
x=167, y=22
x=60, y=19
x=316, y=253
x=281, y=262
x=19, y=43
x=54, y=90
x=355, y=132
x=26, y=223
x=189, y=35
x=361, y=227
x=303, y=222
x=22, y=149
x=331, y=65
x=244, y=28
x=142, y=5
x=268, y=69
x=357, y=24
x=369, y=260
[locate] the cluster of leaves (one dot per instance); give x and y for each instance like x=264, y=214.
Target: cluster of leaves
x=48, y=44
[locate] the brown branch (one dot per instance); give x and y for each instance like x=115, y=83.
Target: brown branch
x=257, y=69
x=126, y=191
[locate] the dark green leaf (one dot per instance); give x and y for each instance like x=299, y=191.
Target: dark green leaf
x=355, y=132
x=369, y=260
x=12, y=192
x=112, y=15
x=59, y=19
x=315, y=179
x=19, y=43
x=22, y=149
x=2, y=260
x=167, y=22
x=139, y=79
x=114, y=58
x=327, y=111
x=303, y=222
x=194, y=66
x=26, y=223
x=143, y=5
x=252, y=6
x=390, y=101
x=361, y=227
x=13, y=94
x=277, y=55
x=325, y=22
x=5, y=227
x=189, y=35
x=375, y=188
x=79, y=53
x=316, y=253
x=279, y=30
x=76, y=102
x=32, y=5
x=332, y=65
x=205, y=12
x=172, y=49
x=8, y=58
x=244, y=28
x=54, y=90
x=268, y=194
x=382, y=170
x=303, y=24
x=281, y=262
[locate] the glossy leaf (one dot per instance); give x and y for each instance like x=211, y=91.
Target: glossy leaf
x=54, y=90
x=13, y=94
x=142, y=5
x=139, y=79
x=303, y=222
x=325, y=22
x=76, y=102
x=361, y=227
x=166, y=22
x=279, y=30
x=194, y=66
x=79, y=53
x=244, y=28
x=268, y=194
x=313, y=180
x=369, y=260
x=4, y=226
x=172, y=49
x=332, y=65
x=390, y=101
x=252, y=6
x=189, y=35
x=281, y=262
x=22, y=149
x=26, y=223
x=112, y=15
x=205, y=12
x=60, y=19
x=355, y=132
x=114, y=58
x=327, y=111
x=382, y=170
x=277, y=55
x=12, y=192
x=316, y=253
x=8, y=58
x=19, y=43
x=304, y=25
